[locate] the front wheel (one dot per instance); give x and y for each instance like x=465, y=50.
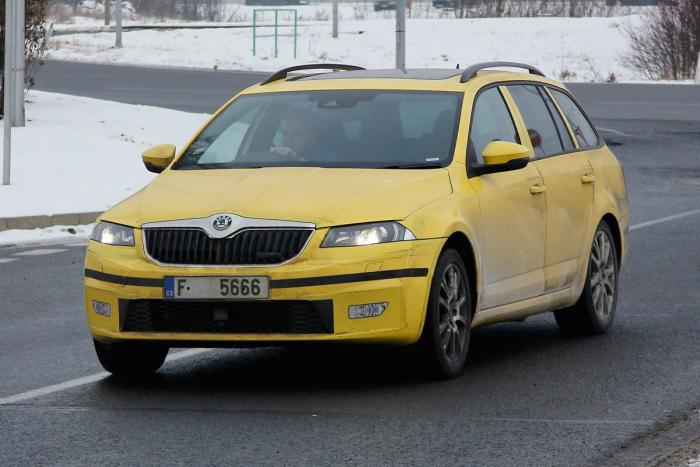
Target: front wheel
x=130, y=359
x=445, y=339
x=595, y=310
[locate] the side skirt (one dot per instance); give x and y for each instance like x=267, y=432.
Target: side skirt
x=518, y=310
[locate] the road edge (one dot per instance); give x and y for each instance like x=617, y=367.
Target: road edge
x=668, y=444
x=44, y=221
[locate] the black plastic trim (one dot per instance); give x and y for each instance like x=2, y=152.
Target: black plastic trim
x=514, y=164
x=298, y=341
x=153, y=168
x=324, y=308
x=347, y=278
x=275, y=283
x=123, y=280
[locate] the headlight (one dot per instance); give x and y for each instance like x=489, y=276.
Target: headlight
x=113, y=234
x=366, y=234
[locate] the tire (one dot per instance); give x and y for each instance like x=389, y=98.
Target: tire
x=444, y=342
x=130, y=359
x=595, y=310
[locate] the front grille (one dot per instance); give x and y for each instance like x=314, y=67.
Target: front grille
x=270, y=316
x=250, y=247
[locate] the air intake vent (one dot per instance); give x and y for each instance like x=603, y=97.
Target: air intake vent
x=249, y=247
x=269, y=316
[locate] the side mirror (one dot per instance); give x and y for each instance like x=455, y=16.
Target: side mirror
x=158, y=158
x=502, y=156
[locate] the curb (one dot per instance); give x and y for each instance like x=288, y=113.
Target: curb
x=40, y=222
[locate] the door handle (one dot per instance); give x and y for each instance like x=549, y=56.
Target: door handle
x=535, y=189
x=587, y=179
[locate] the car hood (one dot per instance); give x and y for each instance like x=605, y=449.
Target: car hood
x=322, y=196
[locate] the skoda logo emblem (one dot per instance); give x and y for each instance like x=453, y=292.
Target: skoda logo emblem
x=222, y=222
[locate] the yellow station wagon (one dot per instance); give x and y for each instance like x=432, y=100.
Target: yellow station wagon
x=364, y=206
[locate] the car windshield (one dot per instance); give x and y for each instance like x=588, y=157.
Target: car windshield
x=354, y=129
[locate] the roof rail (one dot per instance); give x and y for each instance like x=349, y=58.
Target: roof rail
x=472, y=70
x=321, y=66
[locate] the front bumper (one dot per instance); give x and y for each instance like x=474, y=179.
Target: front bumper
x=397, y=273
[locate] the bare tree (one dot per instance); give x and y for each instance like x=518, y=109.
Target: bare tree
x=213, y=10
x=666, y=44
x=36, y=12
x=524, y=8
x=192, y=10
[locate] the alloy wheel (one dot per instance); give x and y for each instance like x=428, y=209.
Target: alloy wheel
x=452, y=308
x=603, y=275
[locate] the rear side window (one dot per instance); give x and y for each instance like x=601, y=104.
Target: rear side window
x=564, y=134
x=491, y=121
x=544, y=136
x=585, y=134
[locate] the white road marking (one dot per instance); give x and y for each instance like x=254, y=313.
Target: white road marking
x=621, y=133
x=39, y=252
x=7, y=260
x=664, y=219
x=74, y=383
x=35, y=393
x=614, y=132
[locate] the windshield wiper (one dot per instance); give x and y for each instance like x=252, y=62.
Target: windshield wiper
x=221, y=165
x=429, y=165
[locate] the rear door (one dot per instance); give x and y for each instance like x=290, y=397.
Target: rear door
x=512, y=216
x=568, y=179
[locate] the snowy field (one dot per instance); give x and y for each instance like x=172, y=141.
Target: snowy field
x=84, y=155
x=577, y=49
x=91, y=13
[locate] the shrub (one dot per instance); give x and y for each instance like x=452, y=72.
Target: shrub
x=191, y=10
x=524, y=8
x=666, y=44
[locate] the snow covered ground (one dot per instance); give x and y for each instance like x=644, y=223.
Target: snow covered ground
x=578, y=49
x=50, y=234
x=84, y=155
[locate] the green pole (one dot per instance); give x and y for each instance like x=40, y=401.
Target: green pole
x=275, y=33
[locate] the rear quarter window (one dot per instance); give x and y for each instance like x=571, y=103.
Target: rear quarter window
x=585, y=134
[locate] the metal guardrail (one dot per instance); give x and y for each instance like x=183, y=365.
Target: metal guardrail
x=167, y=27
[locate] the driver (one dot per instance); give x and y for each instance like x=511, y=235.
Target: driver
x=300, y=134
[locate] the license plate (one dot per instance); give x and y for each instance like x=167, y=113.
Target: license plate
x=217, y=288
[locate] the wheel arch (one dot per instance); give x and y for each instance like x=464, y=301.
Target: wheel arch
x=614, y=225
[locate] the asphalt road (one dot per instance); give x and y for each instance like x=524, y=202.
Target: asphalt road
x=181, y=89
x=529, y=396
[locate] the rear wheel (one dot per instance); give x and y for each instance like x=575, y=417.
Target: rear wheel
x=595, y=310
x=445, y=339
x=130, y=359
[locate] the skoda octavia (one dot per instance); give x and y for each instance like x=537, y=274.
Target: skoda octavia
x=339, y=204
